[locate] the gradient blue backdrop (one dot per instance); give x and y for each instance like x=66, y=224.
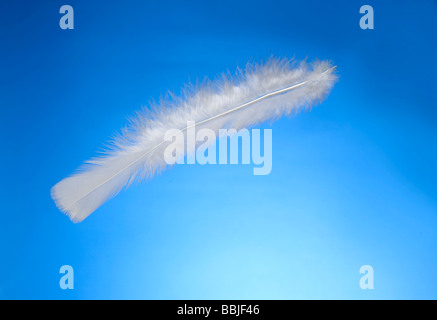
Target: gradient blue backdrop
x=354, y=181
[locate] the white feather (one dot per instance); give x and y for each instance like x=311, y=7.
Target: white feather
x=259, y=93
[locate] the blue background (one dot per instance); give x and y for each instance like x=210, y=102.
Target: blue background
x=354, y=181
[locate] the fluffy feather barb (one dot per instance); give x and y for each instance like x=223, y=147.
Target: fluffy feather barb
x=259, y=93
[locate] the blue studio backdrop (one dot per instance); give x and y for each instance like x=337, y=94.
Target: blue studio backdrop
x=353, y=181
